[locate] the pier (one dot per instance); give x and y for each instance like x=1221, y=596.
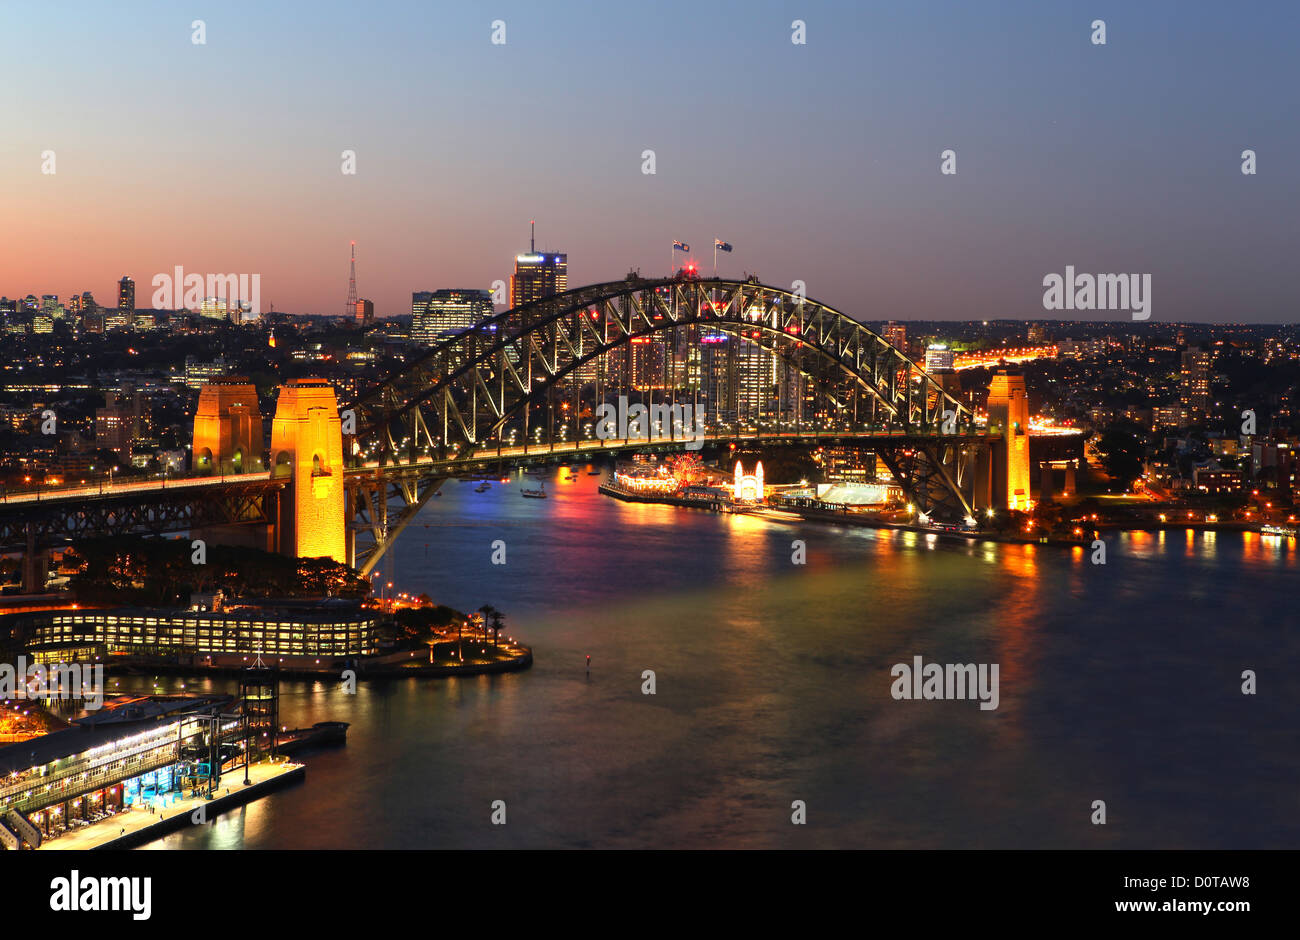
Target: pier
x=137, y=826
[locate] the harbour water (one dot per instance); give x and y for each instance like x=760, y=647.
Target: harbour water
x=1119, y=683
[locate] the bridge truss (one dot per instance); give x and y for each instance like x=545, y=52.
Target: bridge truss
x=757, y=362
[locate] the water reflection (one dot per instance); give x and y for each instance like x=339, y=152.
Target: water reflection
x=773, y=682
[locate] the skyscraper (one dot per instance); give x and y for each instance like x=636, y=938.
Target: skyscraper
x=126, y=296
x=896, y=335
x=537, y=275
x=1194, y=381
x=365, y=312
x=439, y=313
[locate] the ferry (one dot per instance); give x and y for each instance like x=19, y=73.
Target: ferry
x=534, y=494
x=318, y=735
x=1286, y=531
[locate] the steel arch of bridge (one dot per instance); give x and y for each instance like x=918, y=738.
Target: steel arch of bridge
x=451, y=403
x=453, y=399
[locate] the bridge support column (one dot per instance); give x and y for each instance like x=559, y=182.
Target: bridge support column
x=981, y=476
x=36, y=565
x=1008, y=409
x=307, y=447
x=349, y=532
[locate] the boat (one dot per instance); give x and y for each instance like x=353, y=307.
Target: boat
x=318, y=735
x=483, y=487
x=534, y=494
x=1283, y=530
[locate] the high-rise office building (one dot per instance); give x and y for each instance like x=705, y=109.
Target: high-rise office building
x=365, y=312
x=537, y=275
x=647, y=363
x=440, y=313
x=896, y=335
x=214, y=308
x=938, y=358
x=1194, y=381
x=126, y=296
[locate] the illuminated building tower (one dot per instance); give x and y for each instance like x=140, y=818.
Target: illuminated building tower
x=307, y=447
x=896, y=335
x=213, y=308
x=1008, y=408
x=1194, y=382
x=647, y=362
x=126, y=296
x=365, y=311
x=938, y=363
x=228, y=427
x=938, y=358
x=120, y=422
x=537, y=275
x=436, y=314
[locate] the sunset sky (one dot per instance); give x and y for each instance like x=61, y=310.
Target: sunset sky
x=819, y=162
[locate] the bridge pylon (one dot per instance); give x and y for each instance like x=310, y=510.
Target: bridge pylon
x=1008, y=409
x=228, y=428
x=307, y=447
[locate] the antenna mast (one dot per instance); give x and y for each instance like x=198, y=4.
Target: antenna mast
x=351, y=310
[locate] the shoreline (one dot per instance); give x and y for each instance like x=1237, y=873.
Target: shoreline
x=838, y=517
x=363, y=670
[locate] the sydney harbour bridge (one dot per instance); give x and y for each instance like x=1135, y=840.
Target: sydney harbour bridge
x=757, y=363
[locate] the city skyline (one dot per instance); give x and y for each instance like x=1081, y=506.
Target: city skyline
x=824, y=167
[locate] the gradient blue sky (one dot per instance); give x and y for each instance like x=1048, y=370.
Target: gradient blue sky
x=818, y=162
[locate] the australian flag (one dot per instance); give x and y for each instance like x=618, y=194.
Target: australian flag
x=681, y=246
x=720, y=245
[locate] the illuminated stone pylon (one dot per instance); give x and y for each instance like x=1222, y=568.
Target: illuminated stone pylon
x=228, y=428
x=307, y=447
x=1008, y=408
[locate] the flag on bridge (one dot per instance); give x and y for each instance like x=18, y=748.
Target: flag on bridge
x=720, y=245
x=681, y=246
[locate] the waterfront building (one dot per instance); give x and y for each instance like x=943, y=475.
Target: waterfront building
x=117, y=758
x=337, y=629
x=748, y=487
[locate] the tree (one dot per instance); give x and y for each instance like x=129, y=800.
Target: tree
x=498, y=620
x=488, y=612
x=1121, y=453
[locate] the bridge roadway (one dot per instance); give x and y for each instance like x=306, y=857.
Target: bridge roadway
x=53, y=495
